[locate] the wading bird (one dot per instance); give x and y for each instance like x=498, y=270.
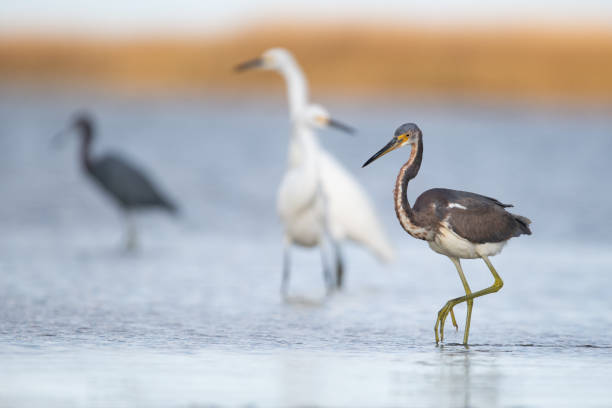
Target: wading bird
x=302, y=204
x=129, y=186
x=455, y=223
x=349, y=215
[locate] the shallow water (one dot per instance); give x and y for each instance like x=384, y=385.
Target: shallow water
x=194, y=317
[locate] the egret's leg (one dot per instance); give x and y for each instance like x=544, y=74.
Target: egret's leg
x=327, y=275
x=339, y=266
x=286, y=269
x=327, y=242
x=497, y=285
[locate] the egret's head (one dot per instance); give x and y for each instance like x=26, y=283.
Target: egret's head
x=408, y=133
x=272, y=59
x=317, y=116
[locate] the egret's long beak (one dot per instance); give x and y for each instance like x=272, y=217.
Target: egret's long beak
x=340, y=126
x=250, y=64
x=392, y=145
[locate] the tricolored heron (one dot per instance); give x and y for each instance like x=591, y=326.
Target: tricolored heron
x=350, y=215
x=129, y=186
x=455, y=223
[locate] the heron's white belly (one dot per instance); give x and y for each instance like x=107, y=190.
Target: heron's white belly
x=447, y=242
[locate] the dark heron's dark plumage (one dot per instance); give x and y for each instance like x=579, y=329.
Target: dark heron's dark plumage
x=129, y=186
x=457, y=224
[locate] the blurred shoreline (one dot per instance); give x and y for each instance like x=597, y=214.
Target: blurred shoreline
x=507, y=63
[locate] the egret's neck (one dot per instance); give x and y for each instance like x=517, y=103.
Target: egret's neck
x=404, y=212
x=303, y=147
x=297, y=88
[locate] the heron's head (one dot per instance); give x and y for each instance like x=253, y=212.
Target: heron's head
x=81, y=124
x=272, y=59
x=316, y=116
x=407, y=134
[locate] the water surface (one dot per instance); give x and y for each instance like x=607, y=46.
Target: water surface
x=194, y=318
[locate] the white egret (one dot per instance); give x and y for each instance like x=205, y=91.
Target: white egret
x=348, y=213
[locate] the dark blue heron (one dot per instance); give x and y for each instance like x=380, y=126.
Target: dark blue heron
x=455, y=223
x=129, y=186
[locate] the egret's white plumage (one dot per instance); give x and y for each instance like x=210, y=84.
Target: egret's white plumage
x=317, y=195
x=317, y=189
x=301, y=203
x=352, y=215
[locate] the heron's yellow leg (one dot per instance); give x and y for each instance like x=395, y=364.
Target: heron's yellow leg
x=440, y=320
x=448, y=308
x=453, y=319
x=469, y=297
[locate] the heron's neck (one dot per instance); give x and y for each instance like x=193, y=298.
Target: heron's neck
x=86, y=140
x=297, y=88
x=404, y=212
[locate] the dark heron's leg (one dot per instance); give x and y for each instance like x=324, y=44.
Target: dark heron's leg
x=286, y=269
x=497, y=285
x=131, y=234
x=339, y=266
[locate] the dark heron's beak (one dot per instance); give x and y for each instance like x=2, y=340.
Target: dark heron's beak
x=254, y=63
x=340, y=126
x=392, y=145
x=59, y=138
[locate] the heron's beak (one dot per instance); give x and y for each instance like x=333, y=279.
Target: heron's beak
x=250, y=64
x=392, y=145
x=340, y=126
x=59, y=138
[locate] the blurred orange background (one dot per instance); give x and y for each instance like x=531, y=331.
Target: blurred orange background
x=528, y=63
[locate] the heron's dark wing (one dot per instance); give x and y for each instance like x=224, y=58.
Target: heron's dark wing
x=128, y=184
x=475, y=217
x=473, y=199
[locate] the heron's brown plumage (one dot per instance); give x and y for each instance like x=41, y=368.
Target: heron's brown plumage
x=477, y=218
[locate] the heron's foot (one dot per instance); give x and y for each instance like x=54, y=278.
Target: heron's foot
x=454, y=321
x=442, y=315
x=284, y=292
x=131, y=243
x=129, y=246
